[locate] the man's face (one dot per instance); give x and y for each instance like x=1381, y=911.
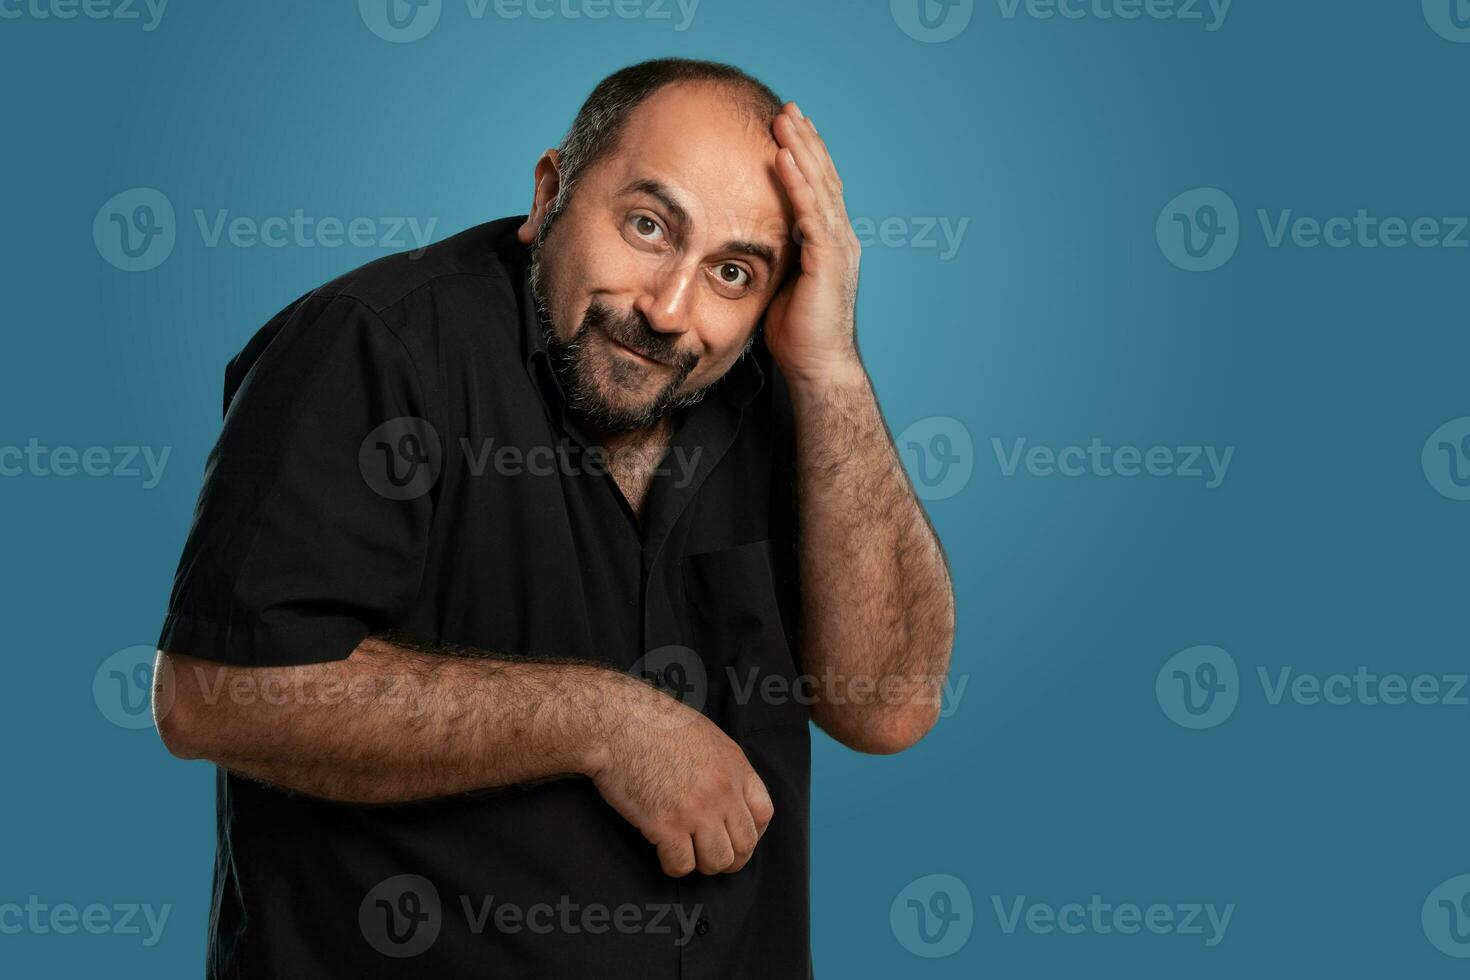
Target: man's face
x=654, y=277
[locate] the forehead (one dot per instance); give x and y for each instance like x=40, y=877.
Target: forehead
x=715, y=158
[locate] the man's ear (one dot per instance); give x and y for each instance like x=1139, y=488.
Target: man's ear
x=548, y=184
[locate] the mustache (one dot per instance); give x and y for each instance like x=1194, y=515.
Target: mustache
x=634, y=332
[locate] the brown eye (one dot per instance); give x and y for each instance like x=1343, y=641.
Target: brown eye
x=645, y=227
x=734, y=275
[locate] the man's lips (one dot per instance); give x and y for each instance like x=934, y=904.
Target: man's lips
x=630, y=352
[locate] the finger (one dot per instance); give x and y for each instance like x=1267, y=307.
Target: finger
x=759, y=803
x=713, y=851
x=803, y=197
x=740, y=825
x=676, y=855
x=839, y=225
x=797, y=136
x=821, y=163
x=811, y=226
x=819, y=149
x=827, y=215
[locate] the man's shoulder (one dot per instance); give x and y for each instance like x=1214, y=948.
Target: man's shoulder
x=485, y=257
x=441, y=297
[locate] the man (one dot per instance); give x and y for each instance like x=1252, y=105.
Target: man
x=467, y=504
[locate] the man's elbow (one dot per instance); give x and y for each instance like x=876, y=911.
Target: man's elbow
x=178, y=725
x=887, y=731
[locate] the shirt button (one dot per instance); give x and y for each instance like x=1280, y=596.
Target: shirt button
x=701, y=927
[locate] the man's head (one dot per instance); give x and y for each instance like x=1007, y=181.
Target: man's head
x=659, y=233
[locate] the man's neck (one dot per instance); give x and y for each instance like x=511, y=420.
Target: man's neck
x=635, y=454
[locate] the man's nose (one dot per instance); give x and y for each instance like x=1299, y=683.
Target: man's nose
x=668, y=299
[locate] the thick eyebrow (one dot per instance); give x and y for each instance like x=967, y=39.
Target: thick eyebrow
x=742, y=246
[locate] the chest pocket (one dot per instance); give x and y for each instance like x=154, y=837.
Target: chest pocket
x=739, y=635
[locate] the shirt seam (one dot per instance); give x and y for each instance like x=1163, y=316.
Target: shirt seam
x=378, y=310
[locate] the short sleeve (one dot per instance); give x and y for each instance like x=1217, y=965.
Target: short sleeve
x=311, y=527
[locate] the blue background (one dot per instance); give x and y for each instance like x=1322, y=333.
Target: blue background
x=1057, y=776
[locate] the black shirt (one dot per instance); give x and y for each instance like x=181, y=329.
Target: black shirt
x=356, y=489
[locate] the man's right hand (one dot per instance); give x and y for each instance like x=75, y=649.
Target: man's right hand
x=673, y=774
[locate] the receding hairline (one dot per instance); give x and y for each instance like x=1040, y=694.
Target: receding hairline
x=747, y=101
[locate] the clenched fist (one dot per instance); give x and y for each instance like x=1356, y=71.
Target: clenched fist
x=673, y=774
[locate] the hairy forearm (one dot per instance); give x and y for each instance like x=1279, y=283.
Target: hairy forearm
x=877, y=622
x=393, y=723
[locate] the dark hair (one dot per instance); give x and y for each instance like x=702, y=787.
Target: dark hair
x=603, y=116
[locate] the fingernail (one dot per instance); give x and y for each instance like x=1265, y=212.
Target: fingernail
x=797, y=110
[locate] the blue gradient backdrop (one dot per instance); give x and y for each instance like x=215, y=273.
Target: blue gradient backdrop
x=1057, y=142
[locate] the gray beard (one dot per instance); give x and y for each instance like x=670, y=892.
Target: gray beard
x=568, y=359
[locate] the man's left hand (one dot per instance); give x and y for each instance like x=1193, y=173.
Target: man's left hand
x=810, y=324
